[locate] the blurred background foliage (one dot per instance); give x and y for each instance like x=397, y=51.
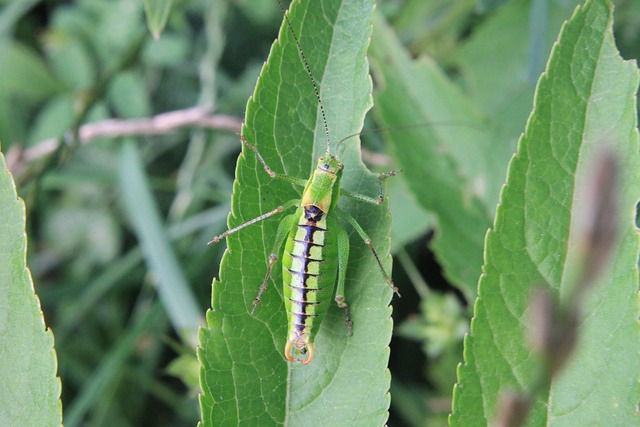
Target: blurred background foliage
x=106, y=208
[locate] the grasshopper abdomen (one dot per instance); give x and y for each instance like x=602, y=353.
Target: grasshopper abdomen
x=310, y=260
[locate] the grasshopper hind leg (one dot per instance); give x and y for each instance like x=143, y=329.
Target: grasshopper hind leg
x=343, y=257
x=367, y=240
x=273, y=258
x=283, y=229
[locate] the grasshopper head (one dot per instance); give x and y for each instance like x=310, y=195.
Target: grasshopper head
x=330, y=163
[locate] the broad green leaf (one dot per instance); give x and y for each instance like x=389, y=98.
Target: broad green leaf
x=434, y=27
x=157, y=15
x=30, y=391
x=410, y=221
x=54, y=117
x=245, y=378
x=584, y=101
x=488, y=5
x=447, y=161
x=114, y=30
x=130, y=96
x=24, y=74
x=501, y=61
x=170, y=50
x=72, y=61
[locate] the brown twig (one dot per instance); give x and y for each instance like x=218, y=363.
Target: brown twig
x=199, y=116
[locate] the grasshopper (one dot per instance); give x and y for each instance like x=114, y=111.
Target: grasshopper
x=316, y=243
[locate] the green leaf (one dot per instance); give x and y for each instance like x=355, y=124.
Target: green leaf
x=129, y=95
x=434, y=27
x=157, y=15
x=585, y=100
x=72, y=62
x=488, y=5
x=30, y=392
x=448, y=163
x=501, y=61
x=54, y=117
x=410, y=221
x=169, y=51
x=24, y=74
x=245, y=378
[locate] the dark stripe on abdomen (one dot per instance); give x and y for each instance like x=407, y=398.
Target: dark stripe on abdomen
x=310, y=228
x=305, y=272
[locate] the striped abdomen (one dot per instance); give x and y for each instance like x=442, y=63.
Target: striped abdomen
x=309, y=273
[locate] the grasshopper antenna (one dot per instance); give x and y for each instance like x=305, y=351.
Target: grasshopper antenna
x=468, y=125
x=308, y=69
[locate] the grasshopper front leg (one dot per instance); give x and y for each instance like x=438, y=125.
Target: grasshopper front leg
x=283, y=229
x=279, y=209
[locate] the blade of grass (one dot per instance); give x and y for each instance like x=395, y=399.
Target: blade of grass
x=169, y=278
x=111, y=367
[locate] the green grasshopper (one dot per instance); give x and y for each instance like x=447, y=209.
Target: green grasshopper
x=316, y=250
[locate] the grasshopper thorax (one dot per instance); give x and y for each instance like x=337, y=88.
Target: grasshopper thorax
x=323, y=189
